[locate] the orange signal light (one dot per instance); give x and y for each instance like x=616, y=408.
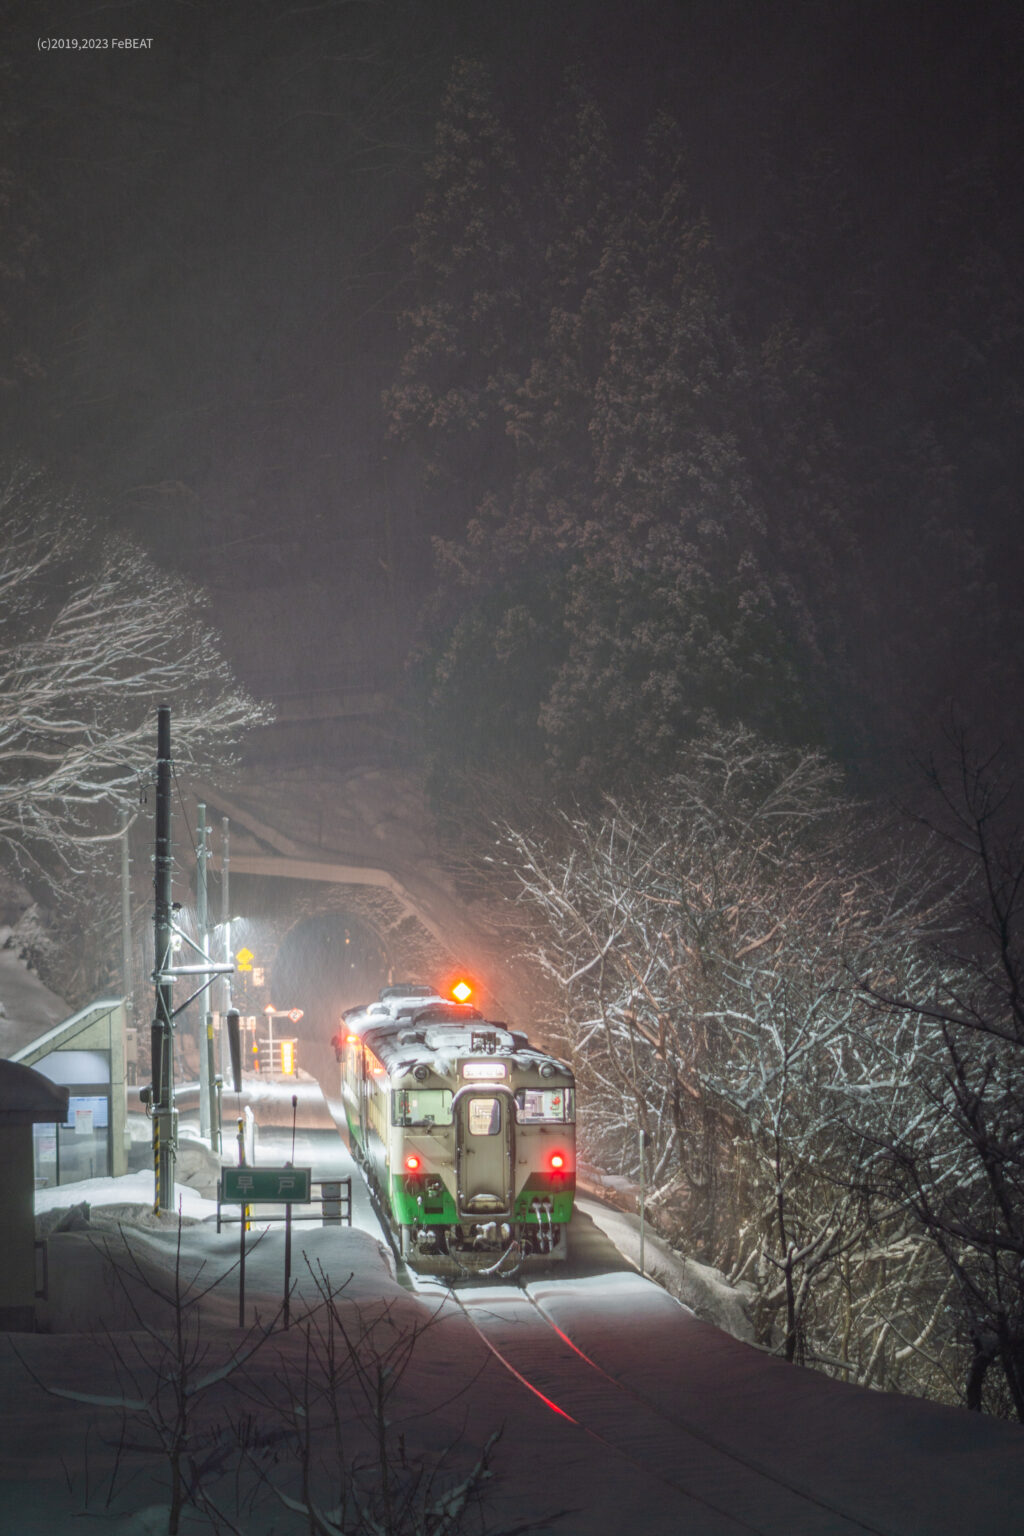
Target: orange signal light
x=462, y=991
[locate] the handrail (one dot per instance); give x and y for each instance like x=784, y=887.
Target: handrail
x=68, y=1028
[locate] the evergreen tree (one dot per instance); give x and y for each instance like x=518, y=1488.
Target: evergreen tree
x=467, y=337
x=633, y=567
x=22, y=268
x=889, y=404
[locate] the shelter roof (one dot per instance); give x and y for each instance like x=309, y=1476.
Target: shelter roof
x=29, y=1098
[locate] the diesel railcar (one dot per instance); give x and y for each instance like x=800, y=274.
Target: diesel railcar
x=465, y=1130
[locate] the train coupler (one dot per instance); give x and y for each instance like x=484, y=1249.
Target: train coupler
x=491, y=1234
x=543, y=1210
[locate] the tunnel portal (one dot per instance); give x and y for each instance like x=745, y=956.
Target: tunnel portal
x=326, y=963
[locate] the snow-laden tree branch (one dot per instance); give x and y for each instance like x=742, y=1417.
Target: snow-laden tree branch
x=706, y=941
x=955, y=1149
x=93, y=638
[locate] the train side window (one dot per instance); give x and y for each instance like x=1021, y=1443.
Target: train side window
x=484, y=1117
x=535, y=1106
x=421, y=1106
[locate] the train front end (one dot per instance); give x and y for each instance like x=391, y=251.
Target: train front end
x=482, y=1160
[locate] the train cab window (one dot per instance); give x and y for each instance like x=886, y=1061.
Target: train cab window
x=421, y=1106
x=535, y=1106
x=484, y=1117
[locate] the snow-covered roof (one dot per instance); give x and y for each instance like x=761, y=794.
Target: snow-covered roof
x=410, y=1025
x=401, y=1046
x=29, y=1098
x=406, y=1006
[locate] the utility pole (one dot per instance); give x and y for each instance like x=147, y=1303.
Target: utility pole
x=643, y=1196
x=127, y=974
x=225, y=909
x=162, y=1036
x=160, y=1097
x=216, y=1124
x=205, y=1031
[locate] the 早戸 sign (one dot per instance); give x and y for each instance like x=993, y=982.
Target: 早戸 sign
x=266, y=1186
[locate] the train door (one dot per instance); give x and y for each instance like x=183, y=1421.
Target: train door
x=483, y=1152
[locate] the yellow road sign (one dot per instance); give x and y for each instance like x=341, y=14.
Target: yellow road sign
x=245, y=958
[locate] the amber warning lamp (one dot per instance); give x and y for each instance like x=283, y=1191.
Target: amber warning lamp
x=462, y=991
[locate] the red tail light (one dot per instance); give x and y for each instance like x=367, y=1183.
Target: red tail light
x=557, y=1161
x=413, y=1163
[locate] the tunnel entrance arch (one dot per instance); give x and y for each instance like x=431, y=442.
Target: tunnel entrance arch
x=321, y=947
x=327, y=962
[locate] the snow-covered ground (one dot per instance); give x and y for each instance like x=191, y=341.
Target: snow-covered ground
x=618, y=1409
x=703, y=1289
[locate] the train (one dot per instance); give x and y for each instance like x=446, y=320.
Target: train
x=466, y=1132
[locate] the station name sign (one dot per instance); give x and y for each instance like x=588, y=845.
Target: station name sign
x=266, y=1186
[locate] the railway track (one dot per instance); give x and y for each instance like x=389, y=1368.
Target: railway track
x=708, y=1475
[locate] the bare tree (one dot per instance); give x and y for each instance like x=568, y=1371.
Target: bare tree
x=958, y=1158
x=703, y=940
x=92, y=638
x=349, y=1413
x=168, y=1374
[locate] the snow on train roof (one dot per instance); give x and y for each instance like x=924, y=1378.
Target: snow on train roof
x=395, y=1005
x=403, y=1044
x=411, y=1026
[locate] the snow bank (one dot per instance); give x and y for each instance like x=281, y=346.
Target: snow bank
x=136, y=1190
x=704, y=1290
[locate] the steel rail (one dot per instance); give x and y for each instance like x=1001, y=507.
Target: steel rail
x=645, y=1468
x=677, y=1421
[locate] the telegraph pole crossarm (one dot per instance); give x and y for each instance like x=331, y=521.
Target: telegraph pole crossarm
x=166, y=974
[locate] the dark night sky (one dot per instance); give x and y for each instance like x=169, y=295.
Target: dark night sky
x=224, y=219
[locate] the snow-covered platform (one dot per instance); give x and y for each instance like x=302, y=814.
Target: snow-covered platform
x=624, y=1411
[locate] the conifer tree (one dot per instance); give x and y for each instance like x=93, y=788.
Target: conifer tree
x=619, y=579
x=466, y=332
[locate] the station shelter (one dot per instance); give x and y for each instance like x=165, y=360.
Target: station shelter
x=86, y=1056
x=26, y=1100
